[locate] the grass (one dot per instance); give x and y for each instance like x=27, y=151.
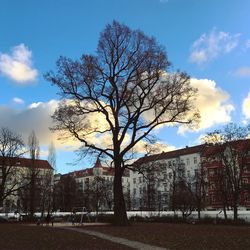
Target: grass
x=172, y=236
x=184, y=236
x=21, y=237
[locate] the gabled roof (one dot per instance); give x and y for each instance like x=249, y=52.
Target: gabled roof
x=27, y=163
x=98, y=163
x=109, y=171
x=170, y=154
x=242, y=145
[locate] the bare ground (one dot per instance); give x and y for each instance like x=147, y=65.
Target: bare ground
x=22, y=237
x=184, y=236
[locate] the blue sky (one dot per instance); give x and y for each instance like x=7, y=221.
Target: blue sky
x=210, y=40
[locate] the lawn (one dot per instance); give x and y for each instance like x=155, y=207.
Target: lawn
x=172, y=236
x=20, y=237
x=184, y=236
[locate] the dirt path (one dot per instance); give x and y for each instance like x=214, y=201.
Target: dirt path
x=126, y=242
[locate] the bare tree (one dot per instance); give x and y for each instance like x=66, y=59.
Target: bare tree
x=46, y=192
x=184, y=198
x=52, y=156
x=126, y=85
x=33, y=172
x=199, y=188
x=99, y=191
x=231, y=155
x=68, y=194
x=150, y=189
x=11, y=148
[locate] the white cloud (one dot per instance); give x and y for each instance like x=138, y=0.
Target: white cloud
x=209, y=46
x=213, y=104
x=37, y=117
x=243, y=72
x=18, y=100
x=18, y=65
x=157, y=147
x=246, y=107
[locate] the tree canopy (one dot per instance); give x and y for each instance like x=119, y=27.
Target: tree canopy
x=114, y=99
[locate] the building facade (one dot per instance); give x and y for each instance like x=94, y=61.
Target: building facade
x=15, y=181
x=153, y=181
x=96, y=186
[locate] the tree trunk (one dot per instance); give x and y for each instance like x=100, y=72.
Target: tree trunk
x=225, y=212
x=120, y=213
x=32, y=197
x=199, y=213
x=235, y=212
x=1, y=197
x=1, y=202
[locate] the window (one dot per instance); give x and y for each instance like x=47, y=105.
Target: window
x=140, y=190
x=134, y=191
x=196, y=172
x=245, y=181
x=187, y=161
x=188, y=173
x=140, y=179
x=195, y=160
x=134, y=180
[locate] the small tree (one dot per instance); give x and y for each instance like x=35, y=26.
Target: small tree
x=184, y=198
x=199, y=189
x=33, y=172
x=99, y=191
x=11, y=148
x=126, y=86
x=46, y=192
x=68, y=194
x=52, y=156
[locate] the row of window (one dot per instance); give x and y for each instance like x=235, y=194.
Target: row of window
x=187, y=162
x=168, y=176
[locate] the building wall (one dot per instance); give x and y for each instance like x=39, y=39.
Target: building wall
x=159, y=185
x=21, y=178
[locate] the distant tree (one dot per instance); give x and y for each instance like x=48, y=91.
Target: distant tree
x=199, y=188
x=99, y=190
x=126, y=85
x=184, y=198
x=68, y=194
x=182, y=189
x=52, y=156
x=33, y=173
x=11, y=149
x=232, y=155
x=153, y=177
x=46, y=192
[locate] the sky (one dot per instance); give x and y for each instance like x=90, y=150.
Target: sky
x=208, y=39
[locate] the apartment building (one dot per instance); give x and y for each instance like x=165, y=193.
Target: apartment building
x=228, y=173
x=96, y=185
x=154, y=176
x=18, y=178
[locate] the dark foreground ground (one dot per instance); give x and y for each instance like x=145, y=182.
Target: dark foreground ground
x=171, y=236
x=19, y=237
x=184, y=236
